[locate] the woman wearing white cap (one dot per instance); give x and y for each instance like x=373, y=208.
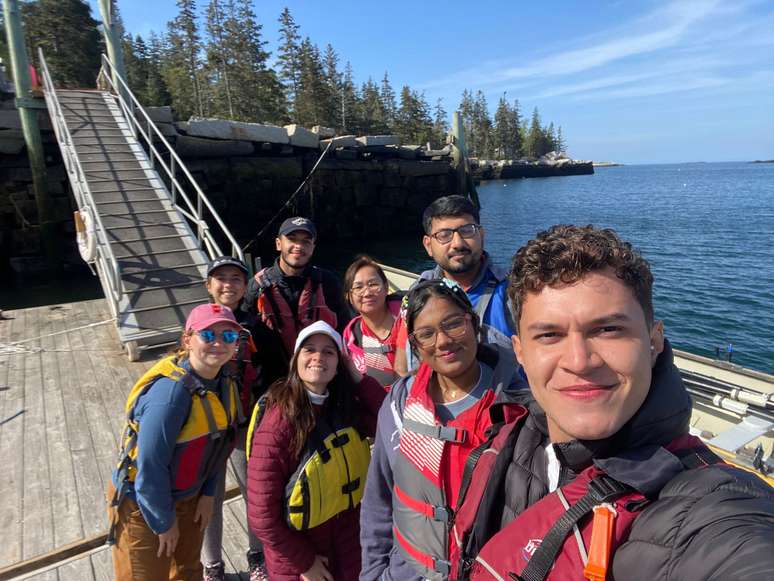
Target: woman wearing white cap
x=308, y=461
x=181, y=417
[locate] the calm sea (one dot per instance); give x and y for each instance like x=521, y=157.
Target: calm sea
x=706, y=228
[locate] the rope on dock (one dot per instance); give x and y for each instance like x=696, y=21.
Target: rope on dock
x=18, y=348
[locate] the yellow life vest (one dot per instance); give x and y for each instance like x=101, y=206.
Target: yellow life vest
x=331, y=472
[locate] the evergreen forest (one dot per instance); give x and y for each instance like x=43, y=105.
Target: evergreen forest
x=216, y=62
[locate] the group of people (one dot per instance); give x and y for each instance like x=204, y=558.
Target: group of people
x=483, y=425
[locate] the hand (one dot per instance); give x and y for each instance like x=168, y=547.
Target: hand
x=203, y=512
x=318, y=571
x=168, y=541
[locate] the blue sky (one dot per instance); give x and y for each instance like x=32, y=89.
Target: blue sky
x=633, y=81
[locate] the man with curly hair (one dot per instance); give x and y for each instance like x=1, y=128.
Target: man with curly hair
x=600, y=476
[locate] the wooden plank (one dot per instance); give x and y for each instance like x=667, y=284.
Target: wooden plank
x=44, y=576
x=11, y=443
x=79, y=569
x=68, y=526
x=86, y=431
x=234, y=537
x=37, y=517
x=102, y=564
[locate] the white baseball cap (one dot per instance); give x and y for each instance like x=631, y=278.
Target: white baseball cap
x=319, y=328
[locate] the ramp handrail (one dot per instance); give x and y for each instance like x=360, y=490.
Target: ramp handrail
x=194, y=212
x=106, y=260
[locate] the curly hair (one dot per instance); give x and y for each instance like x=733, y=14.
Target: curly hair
x=564, y=254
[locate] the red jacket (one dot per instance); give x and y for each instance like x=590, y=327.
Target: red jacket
x=290, y=553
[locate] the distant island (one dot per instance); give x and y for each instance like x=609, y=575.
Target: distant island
x=763, y=161
x=606, y=164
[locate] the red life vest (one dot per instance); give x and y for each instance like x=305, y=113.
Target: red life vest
x=517, y=547
x=366, y=358
x=428, y=476
x=278, y=316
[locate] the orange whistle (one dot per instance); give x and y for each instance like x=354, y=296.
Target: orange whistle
x=601, y=539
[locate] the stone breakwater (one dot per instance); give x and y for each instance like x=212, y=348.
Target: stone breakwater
x=366, y=186
x=549, y=165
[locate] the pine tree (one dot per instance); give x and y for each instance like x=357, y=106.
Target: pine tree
x=218, y=61
x=515, y=129
x=534, y=142
x=466, y=111
x=350, y=102
x=373, y=117
x=440, y=124
x=156, y=92
x=69, y=37
x=482, y=127
x=549, y=134
x=389, y=106
x=502, y=135
x=289, y=58
x=561, y=146
x=413, y=122
x=182, y=64
x=333, y=80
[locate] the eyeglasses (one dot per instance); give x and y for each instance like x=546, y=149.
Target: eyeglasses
x=445, y=235
x=227, y=337
x=372, y=285
x=454, y=327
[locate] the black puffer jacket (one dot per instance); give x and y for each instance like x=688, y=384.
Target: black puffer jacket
x=713, y=523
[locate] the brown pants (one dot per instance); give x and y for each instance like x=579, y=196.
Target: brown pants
x=136, y=546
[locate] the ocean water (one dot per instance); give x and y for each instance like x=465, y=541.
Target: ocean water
x=706, y=228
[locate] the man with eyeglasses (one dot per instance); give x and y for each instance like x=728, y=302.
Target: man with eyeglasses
x=454, y=239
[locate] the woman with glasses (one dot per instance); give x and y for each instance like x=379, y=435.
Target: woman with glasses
x=427, y=429
x=308, y=461
x=371, y=337
x=181, y=417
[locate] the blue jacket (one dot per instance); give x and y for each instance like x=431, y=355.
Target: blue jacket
x=162, y=411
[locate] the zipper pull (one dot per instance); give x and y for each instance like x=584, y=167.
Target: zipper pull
x=601, y=541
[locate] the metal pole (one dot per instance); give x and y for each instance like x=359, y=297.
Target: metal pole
x=28, y=112
x=115, y=51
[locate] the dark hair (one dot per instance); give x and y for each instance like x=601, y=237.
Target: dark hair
x=564, y=254
x=290, y=395
x=443, y=289
x=361, y=261
x=449, y=207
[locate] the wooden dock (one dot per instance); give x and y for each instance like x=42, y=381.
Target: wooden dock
x=63, y=384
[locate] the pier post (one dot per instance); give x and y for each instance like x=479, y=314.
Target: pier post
x=115, y=51
x=28, y=107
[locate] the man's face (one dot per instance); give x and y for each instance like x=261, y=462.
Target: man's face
x=460, y=255
x=588, y=354
x=295, y=248
x=227, y=286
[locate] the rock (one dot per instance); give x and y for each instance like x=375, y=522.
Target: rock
x=167, y=129
x=188, y=146
x=428, y=153
x=423, y=168
x=324, y=132
x=220, y=129
x=182, y=127
x=160, y=114
x=348, y=154
x=370, y=140
x=341, y=141
x=301, y=137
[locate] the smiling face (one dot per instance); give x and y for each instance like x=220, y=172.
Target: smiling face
x=588, y=353
x=460, y=255
x=227, y=286
x=296, y=249
x=206, y=359
x=448, y=357
x=368, y=294
x=317, y=362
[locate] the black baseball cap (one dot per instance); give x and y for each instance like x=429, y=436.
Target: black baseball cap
x=297, y=223
x=227, y=261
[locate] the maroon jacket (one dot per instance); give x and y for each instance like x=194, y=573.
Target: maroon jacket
x=290, y=553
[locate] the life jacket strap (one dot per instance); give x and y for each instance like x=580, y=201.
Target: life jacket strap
x=437, y=513
x=445, y=433
x=428, y=561
x=601, y=489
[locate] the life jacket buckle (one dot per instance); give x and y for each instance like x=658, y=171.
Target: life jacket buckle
x=441, y=566
x=442, y=514
x=605, y=489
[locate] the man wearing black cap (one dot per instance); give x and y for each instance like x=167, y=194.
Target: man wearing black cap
x=292, y=294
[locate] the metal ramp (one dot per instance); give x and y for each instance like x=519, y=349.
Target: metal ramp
x=152, y=241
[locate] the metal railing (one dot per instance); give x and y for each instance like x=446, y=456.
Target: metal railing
x=105, y=259
x=145, y=127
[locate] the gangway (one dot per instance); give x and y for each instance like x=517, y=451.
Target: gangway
x=147, y=220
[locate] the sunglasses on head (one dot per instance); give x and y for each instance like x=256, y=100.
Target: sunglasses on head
x=227, y=337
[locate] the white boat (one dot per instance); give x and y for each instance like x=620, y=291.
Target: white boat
x=733, y=407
